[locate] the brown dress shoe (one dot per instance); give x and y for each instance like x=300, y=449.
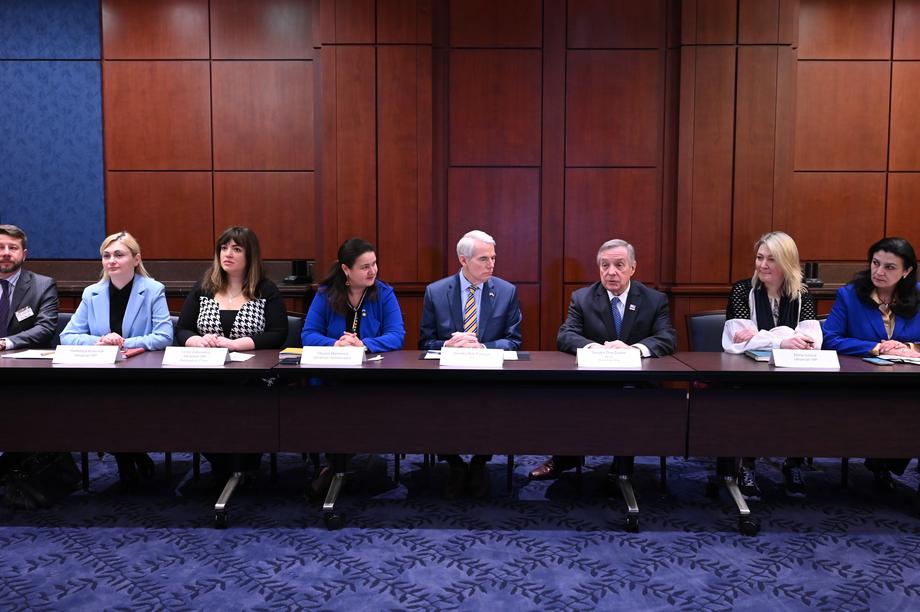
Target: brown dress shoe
x=321, y=483
x=545, y=471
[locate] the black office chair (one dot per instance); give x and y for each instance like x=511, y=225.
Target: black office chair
x=704, y=330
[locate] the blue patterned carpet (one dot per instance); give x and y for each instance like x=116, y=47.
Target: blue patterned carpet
x=542, y=548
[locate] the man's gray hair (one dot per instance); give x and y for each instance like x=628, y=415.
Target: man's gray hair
x=466, y=244
x=616, y=242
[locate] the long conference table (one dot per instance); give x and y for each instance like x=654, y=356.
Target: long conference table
x=728, y=405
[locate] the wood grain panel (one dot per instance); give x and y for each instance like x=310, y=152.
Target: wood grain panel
x=682, y=306
x=431, y=213
x=157, y=115
x=263, y=115
x=505, y=203
x=716, y=22
x=277, y=206
x=906, y=26
x=356, y=132
x=411, y=307
x=904, y=153
x=755, y=137
x=397, y=161
x=758, y=22
x=712, y=165
x=270, y=29
x=602, y=204
x=494, y=107
x=836, y=215
x=613, y=101
x=168, y=212
x=789, y=22
x=902, y=218
x=404, y=21
x=168, y=29
x=845, y=29
x=496, y=23
x=594, y=24
x=668, y=241
x=529, y=298
x=327, y=203
x=683, y=209
x=841, y=116
x=355, y=21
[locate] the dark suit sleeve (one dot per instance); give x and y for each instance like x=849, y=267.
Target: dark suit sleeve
x=570, y=338
x=662, y=338
x=512, y=339
x=428, y=339
x=42, y=330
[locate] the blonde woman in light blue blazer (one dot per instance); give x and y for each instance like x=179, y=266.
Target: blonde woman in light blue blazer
x=127, y=309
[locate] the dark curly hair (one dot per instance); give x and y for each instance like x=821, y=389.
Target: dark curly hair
x=904, y=298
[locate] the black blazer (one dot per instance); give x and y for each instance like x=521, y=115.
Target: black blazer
x=40, y=294
x=645, y=320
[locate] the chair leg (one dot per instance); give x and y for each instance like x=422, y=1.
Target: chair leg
x=167, y=466
x=663, y=479
x=396, y=458
x=273, y=470
x=844, y=472
x=510, y=473
x=84, y=467
x=196, y=466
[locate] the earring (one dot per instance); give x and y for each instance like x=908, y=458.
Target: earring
x=347, y=283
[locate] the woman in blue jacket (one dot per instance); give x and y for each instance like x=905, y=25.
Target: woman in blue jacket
x=352, y=307
x=877, y=314
x=127, y=309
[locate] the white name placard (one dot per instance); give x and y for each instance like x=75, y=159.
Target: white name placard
x=471, y=358
x=332, y=356
x=194, y=356
x=609, y=359
x=85, y=355
x=806, y=360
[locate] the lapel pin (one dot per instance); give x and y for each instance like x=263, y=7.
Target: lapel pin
x=632, y=306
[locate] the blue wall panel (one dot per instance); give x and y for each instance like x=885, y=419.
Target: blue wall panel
x=51, y=167
x=49, y=29
x=51, y=174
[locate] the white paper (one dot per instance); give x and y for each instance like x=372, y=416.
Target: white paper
x=609, y=359
x=332, y=356
x=194, y=356
x=433, y=355
x=510, y=355
x=471, y=358
x=30, y=354
x=235, y=356
x=78, y=354
x=806, y=360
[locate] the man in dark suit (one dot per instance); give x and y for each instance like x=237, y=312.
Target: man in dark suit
x=28, y=302
x=28, y=307
x=615, y=312
x=471, y=309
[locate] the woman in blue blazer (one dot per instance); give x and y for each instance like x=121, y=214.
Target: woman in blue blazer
x=127, y=309
x=877, y=314
x=352, y=307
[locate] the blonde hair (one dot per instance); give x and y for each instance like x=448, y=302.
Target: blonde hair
x=133, y=245
x=786, y=255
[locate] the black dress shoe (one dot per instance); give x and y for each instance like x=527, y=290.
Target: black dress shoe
x=320, y=485
x=456, y=481
x=479, y=479
x=145, y=465
x=127, y=471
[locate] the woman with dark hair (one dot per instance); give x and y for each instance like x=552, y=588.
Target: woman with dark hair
x=876, y=314
x=235, y=307
x=353, y=307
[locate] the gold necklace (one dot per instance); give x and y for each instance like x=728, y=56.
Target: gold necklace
x=230, y=298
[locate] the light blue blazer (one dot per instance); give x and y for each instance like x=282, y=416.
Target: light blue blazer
x=146, y=323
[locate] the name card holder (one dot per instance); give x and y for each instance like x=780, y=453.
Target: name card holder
x=195, y=357
x=81, y=355
x=806, y=360
x=472, y=358
x=343, y=356
x=609, y=359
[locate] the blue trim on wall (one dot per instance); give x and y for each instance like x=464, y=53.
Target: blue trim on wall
x=49, y=29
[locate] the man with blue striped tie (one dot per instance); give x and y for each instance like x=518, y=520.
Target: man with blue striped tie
x=471, y=309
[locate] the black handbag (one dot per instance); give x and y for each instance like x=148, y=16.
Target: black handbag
x=40, y=480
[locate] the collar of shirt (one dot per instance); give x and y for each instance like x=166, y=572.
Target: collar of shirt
x=622, y=297
x=465, y=286
x=13, y=280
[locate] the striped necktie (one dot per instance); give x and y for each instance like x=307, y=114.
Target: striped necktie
x=470, y=323
x=617, y=317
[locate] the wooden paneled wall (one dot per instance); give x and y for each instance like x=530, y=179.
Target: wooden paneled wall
x=687, y=127
x=209, y=122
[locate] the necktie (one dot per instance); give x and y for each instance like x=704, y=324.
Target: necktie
x=4, y=306
x=469, y=311
x=617, y=318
